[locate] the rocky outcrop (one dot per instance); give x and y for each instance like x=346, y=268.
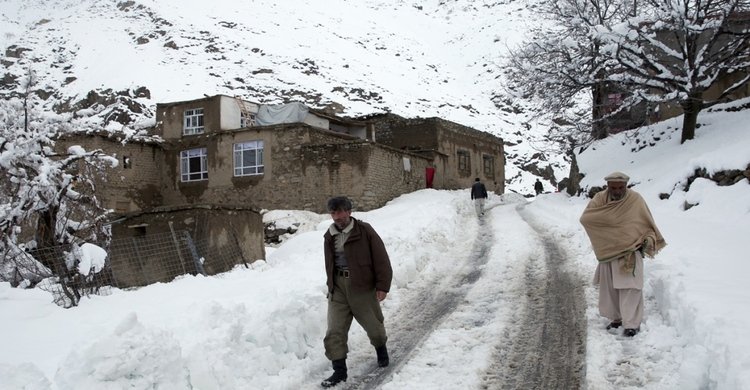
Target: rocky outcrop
x=113, y=106
x=721, y=178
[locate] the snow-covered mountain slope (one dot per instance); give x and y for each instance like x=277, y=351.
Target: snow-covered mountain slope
x=111, y=62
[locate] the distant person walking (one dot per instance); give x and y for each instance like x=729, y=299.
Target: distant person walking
x=538, y=187
x=622, y=230
x=359, y=275
x=478, y=195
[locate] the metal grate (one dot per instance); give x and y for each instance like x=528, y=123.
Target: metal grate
x=131, y=262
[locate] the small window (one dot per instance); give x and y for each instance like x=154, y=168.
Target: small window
x=139, y=231
x=488, y=165
x=464, y=162
x=193, y=122
x=248, y=158
x=194, y=165
x=247, y=119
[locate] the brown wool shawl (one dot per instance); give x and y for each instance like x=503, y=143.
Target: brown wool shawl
x=619, y=227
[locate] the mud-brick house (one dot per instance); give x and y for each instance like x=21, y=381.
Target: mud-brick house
x=221, y=150
x=153, y=241
x=229, y=151
x=214, y=163
x=458, y=154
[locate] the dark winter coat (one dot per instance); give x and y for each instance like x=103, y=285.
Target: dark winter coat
x=369, y=264
x=478, y=190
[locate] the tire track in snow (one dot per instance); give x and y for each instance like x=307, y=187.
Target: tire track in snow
x=546, y=346
x=417, y=319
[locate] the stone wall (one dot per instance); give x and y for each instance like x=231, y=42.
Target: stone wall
x=721, y=178
x=388, y=176
x=369, y=173
x=134, y=184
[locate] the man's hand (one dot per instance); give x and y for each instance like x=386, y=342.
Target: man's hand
x=380, y=295
x=647, y=245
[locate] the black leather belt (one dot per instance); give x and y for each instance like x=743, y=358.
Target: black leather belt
x=342, y=272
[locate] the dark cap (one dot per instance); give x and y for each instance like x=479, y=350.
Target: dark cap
x=339, y=203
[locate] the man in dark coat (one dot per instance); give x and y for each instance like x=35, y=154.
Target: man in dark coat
x=359, y=274
x=478, y=195
x=538, y=187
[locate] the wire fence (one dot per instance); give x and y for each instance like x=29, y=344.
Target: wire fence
x=69, y=273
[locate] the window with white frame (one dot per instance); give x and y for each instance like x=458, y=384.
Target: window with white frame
x=194, y=164
x=247, y=119
x=248, y=158
x=193, y=122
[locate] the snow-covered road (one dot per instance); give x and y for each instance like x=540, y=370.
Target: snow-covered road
x=520, y=307
x=500, y=303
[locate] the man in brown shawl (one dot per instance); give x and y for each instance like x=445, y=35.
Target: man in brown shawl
x=622, y=230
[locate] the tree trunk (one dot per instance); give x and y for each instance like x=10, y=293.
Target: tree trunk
x=574, y=177
x=598, y=125
x=690, y=107
x=47, y=245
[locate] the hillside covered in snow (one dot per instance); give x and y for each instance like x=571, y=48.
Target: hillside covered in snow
x=107, y=64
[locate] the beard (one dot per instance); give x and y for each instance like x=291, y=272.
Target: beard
x=341, y=224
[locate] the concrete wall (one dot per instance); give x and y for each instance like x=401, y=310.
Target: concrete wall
x=231, y=112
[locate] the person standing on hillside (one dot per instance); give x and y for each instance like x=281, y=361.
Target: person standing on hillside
x=359, y=274
x=538, y=187
x=478, y=195
x=622, y=230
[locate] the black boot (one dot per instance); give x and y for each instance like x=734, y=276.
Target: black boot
x=382, y=356
x=339, y=374
x=614, y=324
x=631, y=332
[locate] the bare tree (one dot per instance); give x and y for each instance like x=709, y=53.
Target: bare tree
x=561, y=68
x=563, y=60
x=678, y=50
